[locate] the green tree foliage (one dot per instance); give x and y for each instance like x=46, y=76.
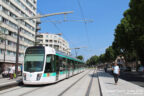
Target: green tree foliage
x=80, y=57
x=109, y=54
x=129, y=34
x=92, y=61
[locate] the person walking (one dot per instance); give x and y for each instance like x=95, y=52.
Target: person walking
x=116, y=73
x=11, y=72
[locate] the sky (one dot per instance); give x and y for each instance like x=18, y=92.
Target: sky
x=91, y=37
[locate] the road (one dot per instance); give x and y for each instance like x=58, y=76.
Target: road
x=83, y=84
x=133, y=77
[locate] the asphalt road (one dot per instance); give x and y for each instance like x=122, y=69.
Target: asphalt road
x=133, y=77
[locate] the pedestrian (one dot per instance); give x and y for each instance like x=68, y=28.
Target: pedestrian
x=116, y=72
x=11, y=72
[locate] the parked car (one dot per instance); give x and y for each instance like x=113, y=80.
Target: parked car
x=128, y=69
x=141, y=69
x=122, y=69
x=5, y=74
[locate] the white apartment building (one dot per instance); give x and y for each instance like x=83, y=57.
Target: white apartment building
x=55, y=41
x=9, y=10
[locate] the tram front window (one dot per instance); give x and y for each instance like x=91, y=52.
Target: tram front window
x=33, y=63
x=34, y=59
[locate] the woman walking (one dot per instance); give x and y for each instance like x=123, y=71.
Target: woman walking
x=116, y=73
x=12, y=69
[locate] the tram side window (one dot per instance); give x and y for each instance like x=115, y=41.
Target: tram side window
x=71, y=64
x=62, y=64
x=48, y=67
x=68, y=64
x=75, y=65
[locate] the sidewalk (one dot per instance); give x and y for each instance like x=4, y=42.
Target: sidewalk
x=124, y=88
x=5, y=82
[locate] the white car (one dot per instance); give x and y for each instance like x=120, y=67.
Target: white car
x=5, y=74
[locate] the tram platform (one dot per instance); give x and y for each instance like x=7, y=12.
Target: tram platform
x=6, y=82
x=124, y=88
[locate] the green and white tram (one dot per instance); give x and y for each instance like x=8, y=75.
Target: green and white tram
x=43, y=65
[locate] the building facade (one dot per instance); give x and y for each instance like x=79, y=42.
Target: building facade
x=9, y=10
x=55, y=41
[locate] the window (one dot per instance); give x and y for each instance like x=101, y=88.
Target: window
x=2, y=51
x=0, y=7
x=34, y=59
x=49, y=64
x=63, y=64
x=60, y=63
x=56, y=47
x=0, y=18
x=1, y=40
x=70, y=64
x=46, y=40
x=51, y=41
x=57, y=63
x=40, y=36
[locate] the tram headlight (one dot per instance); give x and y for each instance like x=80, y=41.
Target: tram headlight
x=24, y=75
x=39, y=76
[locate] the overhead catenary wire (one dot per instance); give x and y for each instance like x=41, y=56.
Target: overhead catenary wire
x=85, y=23
x=55, y=25
x=59, y=21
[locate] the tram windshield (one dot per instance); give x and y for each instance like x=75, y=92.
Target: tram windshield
x=34, y=60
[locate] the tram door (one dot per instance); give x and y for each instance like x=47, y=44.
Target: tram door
x=57, y=67
x=67, y=68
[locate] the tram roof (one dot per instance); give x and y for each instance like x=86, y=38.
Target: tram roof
x=67, y=56
x=58, y=53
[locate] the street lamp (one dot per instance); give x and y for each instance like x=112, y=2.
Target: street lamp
x=19, y=28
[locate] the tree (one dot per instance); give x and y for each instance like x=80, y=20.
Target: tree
x=80, y=57
x=92, y=61
x=110, y=54
x=136, y=14
x=129, y=34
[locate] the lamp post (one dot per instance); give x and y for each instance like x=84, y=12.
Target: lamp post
x=19, y=28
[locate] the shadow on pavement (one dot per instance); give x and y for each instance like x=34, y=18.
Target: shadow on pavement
x=133, y=77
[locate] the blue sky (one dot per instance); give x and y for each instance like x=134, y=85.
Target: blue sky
x=96, y=35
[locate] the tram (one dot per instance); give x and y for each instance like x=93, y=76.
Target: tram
x=44, y=65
